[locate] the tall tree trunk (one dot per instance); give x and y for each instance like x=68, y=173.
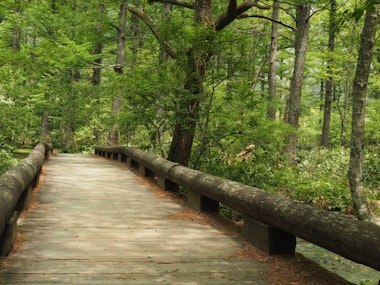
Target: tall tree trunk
x=16, y=39
x=329, y=82
x=355, y=172
x=135, y=36
x=96, y=75
x=343, y=112
x=45, y=127
x=294, y=102
x=166, y=8
x=271, y=109
x=119, y=69
x=187, y=115
x=97, y=70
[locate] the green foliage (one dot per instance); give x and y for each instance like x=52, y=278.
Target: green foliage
x=319, y=178
x=6, y=161
x=372, y=169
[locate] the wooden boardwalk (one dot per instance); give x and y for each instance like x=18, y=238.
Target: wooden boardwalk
x=95, y=223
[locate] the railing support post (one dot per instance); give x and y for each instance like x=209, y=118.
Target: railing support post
x=132, y=163
x=145, y=171
x=25, y=199
x=9, y=235
x=202, y=203
x=167, y=184
x=270, y=240
x=122, y=157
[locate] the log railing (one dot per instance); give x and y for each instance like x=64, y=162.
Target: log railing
x=16, y=186
x=271, y=222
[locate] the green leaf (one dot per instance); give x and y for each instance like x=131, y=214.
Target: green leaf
x=357, y=14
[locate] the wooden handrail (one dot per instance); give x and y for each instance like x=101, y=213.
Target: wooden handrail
x=356, y=240
x=15, y=185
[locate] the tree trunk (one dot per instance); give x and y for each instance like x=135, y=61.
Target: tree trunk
x=355, y=172
x=329, y=82
x=135, y=38
x=166, y=8
x=271, y=109
x=16, y=39
x=96, y=75
x=294, y=102
x=343, y=113
x=187, y=115
x=120, y=56
x=114, y=132
x=45, y=127
x=119, y=69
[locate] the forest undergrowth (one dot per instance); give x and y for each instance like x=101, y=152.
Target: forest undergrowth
x=317, y=177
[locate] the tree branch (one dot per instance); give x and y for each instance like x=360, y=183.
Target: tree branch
x=234, y=11
x=152, y=26
x=176, y=2
x=246, y=15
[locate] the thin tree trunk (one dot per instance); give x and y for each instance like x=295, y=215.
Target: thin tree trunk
x=329, y=82
x=271, y=109
x=343, y=114
x=119, y=69
x=96, y=75
x=135, y=36
x=355, y=172
x=120, y=56
x=294, y=102
x=16, y=39
x=45, y=127
x=166, y=8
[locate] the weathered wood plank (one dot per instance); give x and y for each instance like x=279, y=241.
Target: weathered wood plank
x=95, y=224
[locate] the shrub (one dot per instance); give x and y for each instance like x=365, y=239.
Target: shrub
x=6, y=161
x=320, y=178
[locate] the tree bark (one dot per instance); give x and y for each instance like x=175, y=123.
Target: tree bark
x=45, y=127
x=294, y=102
x=166, y=8
x=96, y=75
x=119, y=69
x=135, y=38
x=16, y=39
x=330, y=79
x=271, y=109
x=121, y=38
x=355, y=172
x=187, y=113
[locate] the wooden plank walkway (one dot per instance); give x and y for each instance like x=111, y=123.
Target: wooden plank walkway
x=95, y=223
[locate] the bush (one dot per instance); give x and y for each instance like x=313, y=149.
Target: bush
x=320, y=178
x=372, y=169
x=6, y=161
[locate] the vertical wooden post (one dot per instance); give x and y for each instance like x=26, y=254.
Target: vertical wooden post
x=202, y=203
x=270, y=240
x=167, y=184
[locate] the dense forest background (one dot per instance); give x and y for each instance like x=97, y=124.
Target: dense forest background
x=260, y=92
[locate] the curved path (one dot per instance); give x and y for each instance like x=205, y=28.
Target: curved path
x=94, y=223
